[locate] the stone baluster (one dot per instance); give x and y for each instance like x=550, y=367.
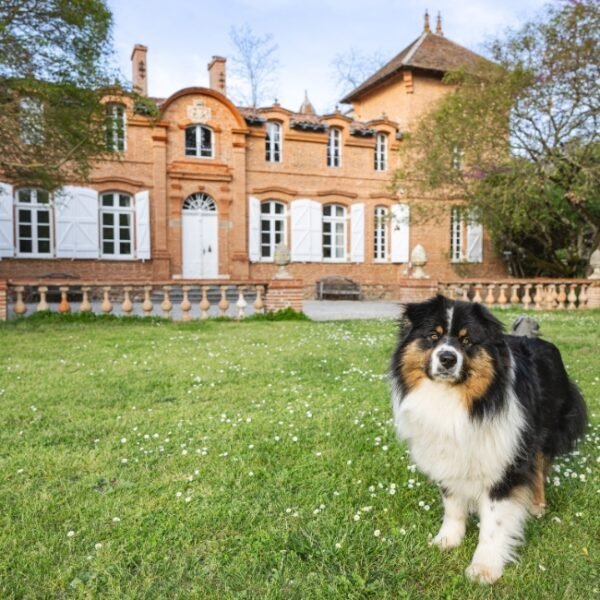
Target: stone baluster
x=166, y=305
x=562, y=296
x=477, y=297
x=43, y=303
x=204, y=303
x=502, y=299
x=259, y=305
x=20, y=306
x=106, y=306
x=450, y=291
x=551, y=296
x=186, y=305
x=241, y=303
x=572, y=297
x=514, y=294
x=223, y=302
x=489, y=299
x=64, y=306
x=583, y=298
x=539, y=296
x=147, y=305
x=465, y=292
x=527, y=295
x=86, y=305
x=127, y=306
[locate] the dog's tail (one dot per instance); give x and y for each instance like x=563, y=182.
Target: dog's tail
x=573, y=420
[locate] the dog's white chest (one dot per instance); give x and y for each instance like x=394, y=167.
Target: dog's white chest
x=464, y=455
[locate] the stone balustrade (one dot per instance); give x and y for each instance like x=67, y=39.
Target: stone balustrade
x=539, y=294
x=171, y=300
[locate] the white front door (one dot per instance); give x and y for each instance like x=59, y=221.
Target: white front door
x=200, y=239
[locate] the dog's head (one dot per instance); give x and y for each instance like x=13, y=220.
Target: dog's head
x=447, y=341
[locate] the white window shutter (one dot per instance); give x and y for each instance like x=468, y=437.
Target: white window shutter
x=142, y=224
x=306, y=217
x=400, y=233
x=7, y=245
x=76, y=217
x=254, y=229
x=474, y=240
x=357, y=232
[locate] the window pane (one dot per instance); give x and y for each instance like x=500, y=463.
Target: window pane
x=43, y=231
x=25, y=246
x=206, y=137
x=43, y=216
x=265, y=238
x=25, y=216
x=24, y=231
x=327, y=210
x=190, y=141
x=107, y=199
x=125, y=248
x=265, y=207
x=108, y=218
x=125, y=234
x=108, y=234
x=279, y=208
x=44, y=246
x=24, y=195
x=108, y=247
x=124, y=201
x=43, y=197
x=124, y=219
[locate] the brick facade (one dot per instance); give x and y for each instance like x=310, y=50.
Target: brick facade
x=155, y=162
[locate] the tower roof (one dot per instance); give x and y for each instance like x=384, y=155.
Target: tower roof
x=307, y=108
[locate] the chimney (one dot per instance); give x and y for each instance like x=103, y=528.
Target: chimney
x=139, y=68
x=216, y=74
x=438, y=24
x=426, y=28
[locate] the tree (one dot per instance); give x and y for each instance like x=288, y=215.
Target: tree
x=255, y=64
x=518, y=140
x=354, y=66
x=54, y=71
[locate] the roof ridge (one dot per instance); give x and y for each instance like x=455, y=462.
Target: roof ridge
x=415, y=47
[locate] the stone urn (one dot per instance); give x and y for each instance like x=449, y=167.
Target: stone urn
x=595, y=264
x=281, y=258
x=418, y=259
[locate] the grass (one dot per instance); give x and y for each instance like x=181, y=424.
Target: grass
x=248, y=460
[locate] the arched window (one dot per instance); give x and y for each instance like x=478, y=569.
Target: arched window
x=116, y=225
x=34, y=222
x=200, y=201
x=381, y=151
x=273, y=142
x=380, y=233
x=115, y=127
x=273, y=228
x=199, y=141
x=334, y=232
x=334, y=147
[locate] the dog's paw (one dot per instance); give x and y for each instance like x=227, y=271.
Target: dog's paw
x=537, y=509
x=481, y=573
x=445, y=539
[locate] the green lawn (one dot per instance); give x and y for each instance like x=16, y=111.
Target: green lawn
x=249, y=460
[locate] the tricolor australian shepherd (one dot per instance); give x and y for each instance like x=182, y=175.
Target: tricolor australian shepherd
x=484, y=414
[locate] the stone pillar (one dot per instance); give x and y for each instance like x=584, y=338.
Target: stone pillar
x=417, y=290
x=3, y=300
x=284, y=293
x=159, y=208
x=593, y=294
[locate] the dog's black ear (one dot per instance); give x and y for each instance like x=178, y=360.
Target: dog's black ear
x=493, y=325
x=416, y=312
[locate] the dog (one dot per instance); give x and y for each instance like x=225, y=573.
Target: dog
x=484, y=414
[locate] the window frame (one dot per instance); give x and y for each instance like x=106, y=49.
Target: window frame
x=381, y=233
x=35, y=208
x=381, y=152
x=271, y=218
x=457, y=235
x=198, y=148
x=273, y=147
x=334, y=148
x=116, y=127
x=117, y=211
x=331, y=222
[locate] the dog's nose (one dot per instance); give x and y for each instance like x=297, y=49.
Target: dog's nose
x=447, y=359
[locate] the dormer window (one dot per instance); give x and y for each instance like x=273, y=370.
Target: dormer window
x=115, y=127
x=381, y=151
x=334, y=148
x=273, y=142
x=199, y=141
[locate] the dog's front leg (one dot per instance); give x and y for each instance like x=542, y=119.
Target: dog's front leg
x=500, y=532
x=454, y=524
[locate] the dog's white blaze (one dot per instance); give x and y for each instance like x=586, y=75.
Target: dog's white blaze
x=466, y=456
x=450, y=314
x=435, y=359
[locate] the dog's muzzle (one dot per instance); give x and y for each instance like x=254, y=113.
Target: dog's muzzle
x=446, y=363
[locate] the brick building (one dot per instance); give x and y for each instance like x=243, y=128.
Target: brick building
x=209, y=190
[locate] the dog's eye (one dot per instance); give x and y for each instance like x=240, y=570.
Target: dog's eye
x=434, y=337
x=466, y=341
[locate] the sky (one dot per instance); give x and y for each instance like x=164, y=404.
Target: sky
x=183, y=35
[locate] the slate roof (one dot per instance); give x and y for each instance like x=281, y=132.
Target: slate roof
x=430, y=52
